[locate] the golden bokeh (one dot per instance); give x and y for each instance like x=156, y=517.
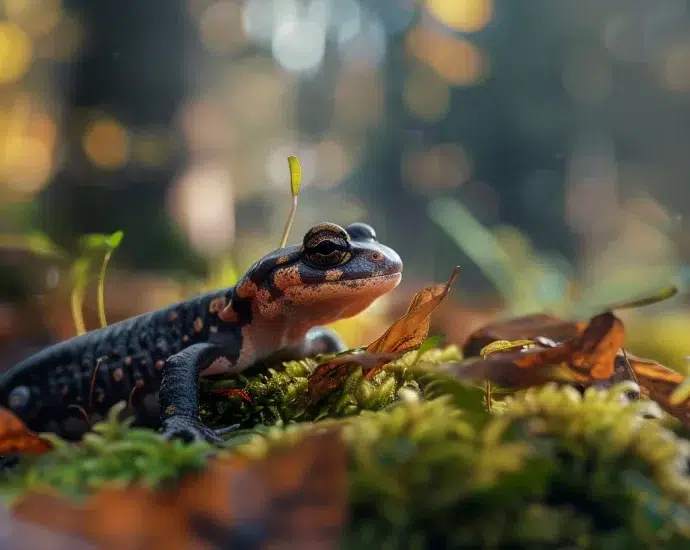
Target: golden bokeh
x=27, y=163
x=106, y=144
x=27, y=141
x=426, y=95
x=461, y=15
x=456, y=60
x=37, y=17
x=15, y=52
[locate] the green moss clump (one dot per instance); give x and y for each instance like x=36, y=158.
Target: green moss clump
x=114, y=455
x=280, y=397
x=554, y=470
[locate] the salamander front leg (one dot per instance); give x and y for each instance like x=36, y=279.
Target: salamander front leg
x=179, y=394
x=321, y=340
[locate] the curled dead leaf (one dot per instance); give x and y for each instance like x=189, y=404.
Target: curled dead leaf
x=587, y=357
x=528, y=327
x=17, y=439
x=662, y=385
x=408, y=332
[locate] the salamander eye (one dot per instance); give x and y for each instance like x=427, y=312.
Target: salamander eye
x=327, y=251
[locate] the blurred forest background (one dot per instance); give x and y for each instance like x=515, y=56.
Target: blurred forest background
x=542, y=145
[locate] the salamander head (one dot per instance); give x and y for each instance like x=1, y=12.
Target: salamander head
x=334, y=274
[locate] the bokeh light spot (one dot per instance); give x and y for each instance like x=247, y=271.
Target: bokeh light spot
x=456, y=60
x=27, y=163
x=15, y=53
x=106, y=144
x=461, y=15
x=299, y=45
x=203, y=203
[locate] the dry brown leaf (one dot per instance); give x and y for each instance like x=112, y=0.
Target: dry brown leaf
x=17, y=439
x=659, y=383
x=528, y=327
x=408, y=332
x=586, y=357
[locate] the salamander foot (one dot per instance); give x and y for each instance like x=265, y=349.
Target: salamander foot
x=189, y=430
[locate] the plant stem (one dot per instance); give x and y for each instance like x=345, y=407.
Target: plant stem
x=288, y=225
x=101, y=290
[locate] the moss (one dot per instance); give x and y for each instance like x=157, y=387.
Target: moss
x=280, y=396
x=115, y=454
x=429, y=467
x=554, y=470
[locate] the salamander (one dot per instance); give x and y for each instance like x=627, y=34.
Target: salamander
x=155, y=360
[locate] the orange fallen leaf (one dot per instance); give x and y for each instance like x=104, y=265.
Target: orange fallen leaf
x=296, y=497
x=660, y=383
x=528, y=327
x=408, y=332
x=587, y=357
x=17, y=439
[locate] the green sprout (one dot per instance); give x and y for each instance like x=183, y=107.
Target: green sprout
x=295, y=182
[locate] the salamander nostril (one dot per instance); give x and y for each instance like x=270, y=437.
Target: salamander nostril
x=376, y=257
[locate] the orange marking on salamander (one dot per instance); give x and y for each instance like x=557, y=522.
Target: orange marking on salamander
x=282, y=260
x=246, y=289
x=217, y=305
x=198, y=324
x=334, y=274
x=287, y=277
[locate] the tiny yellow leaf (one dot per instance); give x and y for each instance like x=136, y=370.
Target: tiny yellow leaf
x=503, y=345
x=295, y=175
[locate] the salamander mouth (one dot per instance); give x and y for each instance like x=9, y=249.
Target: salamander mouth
x=368, y=282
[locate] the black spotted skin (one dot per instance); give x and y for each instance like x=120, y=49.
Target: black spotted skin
x=47, y=389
